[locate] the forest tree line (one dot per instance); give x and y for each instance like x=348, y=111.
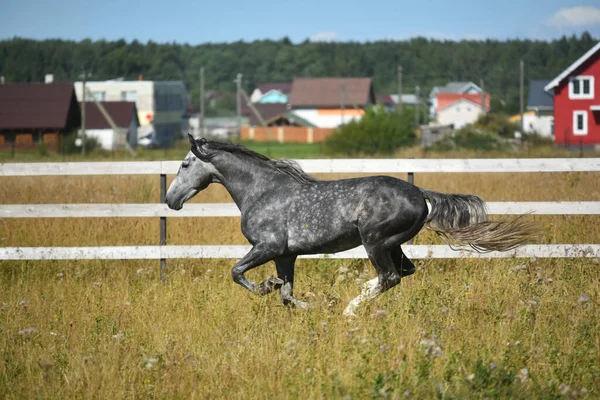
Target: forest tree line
x=426, y=63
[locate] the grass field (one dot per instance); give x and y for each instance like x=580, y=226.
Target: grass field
x=514, y=328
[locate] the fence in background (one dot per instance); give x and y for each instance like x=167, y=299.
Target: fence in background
x=286, y=134
x=163, y=168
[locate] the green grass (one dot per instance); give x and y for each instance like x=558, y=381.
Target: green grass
x=288, y=150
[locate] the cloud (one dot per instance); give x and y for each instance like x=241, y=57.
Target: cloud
x=575, y=17
x=324, y=37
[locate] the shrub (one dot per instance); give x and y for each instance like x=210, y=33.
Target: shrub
x=378, y=131
x=69, y=146
x=498, y=124
x=470, y=137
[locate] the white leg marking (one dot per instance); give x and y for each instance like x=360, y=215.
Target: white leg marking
x=370, y=291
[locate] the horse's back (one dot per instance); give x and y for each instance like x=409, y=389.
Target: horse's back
x=331, y=216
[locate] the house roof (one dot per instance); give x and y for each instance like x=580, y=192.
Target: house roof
x=267, y=111
x=556, y=81
x=453, y=87
x=446, y=99
x=462, y=100
x=538, y=97
x=283, y=87
x=326, y=92
x=38, y=106
x=121, y=113
x=406, y=99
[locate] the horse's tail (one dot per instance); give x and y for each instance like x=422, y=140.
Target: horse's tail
x=463, y=220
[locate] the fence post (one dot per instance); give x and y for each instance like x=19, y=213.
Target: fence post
x=163, y=226
x=411, y=180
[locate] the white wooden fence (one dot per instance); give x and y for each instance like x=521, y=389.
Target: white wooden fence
x=371, y=166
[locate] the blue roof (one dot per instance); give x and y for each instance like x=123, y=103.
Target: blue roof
x=538, y=98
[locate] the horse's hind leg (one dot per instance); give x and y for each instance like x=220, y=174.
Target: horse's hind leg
x=403, y=265
x=387, y=277
x=285, y=273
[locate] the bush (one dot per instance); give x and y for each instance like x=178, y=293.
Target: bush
x=69, y=146
x=472, y=138
x=377, y=132
x=498, y=124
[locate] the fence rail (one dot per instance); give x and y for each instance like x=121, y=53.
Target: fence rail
x=173, y=252
x=106, y=210
x=369, y=166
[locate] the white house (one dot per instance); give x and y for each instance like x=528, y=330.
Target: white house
x=160, y=105
x=450, y=87
x=460, y=113
x=122, y=113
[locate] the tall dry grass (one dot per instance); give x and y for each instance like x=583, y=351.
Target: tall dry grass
x=466, y=328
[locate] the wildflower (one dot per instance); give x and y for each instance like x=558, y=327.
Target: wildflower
x=150, y=361
x=291, y=345
x=53, y=334
x=384, y=348
x=28, y=332
x=584, y=298
x=140, y=272
x=127, y=304
x=517, y=268
x=4, y=306
x=343, y=271
x=492, y=365
x=119, y=336
x=564, y=389
x=432, y=349
x=523, y=375
x=470, y=377
x=97, y=284
x=24, y=303
x=60, y=275
x=379, y=314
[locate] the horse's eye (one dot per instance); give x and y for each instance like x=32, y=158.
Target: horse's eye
x=185, y=165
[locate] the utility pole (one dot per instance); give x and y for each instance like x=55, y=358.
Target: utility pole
x=201, y=117
x=521, y=95
x=482, y=93
x=418, y=96
x=399, y=105
x=342, y=100
x=83, y=135
x=239, y=104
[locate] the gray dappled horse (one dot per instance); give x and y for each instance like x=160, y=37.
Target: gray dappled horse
x=286, y=213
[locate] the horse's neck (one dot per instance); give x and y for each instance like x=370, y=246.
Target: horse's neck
x=245, y=179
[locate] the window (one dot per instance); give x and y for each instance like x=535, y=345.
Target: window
x=130, y=95
x=98, y=96
x=581, y=87
x=580, y=123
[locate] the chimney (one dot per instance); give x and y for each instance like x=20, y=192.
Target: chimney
x=141, y=77
x=49, y=78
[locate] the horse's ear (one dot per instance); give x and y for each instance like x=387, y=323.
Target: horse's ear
x=192, y=140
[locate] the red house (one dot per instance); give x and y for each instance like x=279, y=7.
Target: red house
x=577, y=101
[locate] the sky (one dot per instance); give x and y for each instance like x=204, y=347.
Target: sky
x=217, y=21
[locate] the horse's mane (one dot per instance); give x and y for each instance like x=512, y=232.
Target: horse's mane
x=285, y=166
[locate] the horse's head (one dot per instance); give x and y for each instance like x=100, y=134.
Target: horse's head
x=193, y=176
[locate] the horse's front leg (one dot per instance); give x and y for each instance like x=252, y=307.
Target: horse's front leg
x=257, y=256
x=285, y=272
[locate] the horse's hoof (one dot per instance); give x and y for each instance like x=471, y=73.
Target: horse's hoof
x=269, y=285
